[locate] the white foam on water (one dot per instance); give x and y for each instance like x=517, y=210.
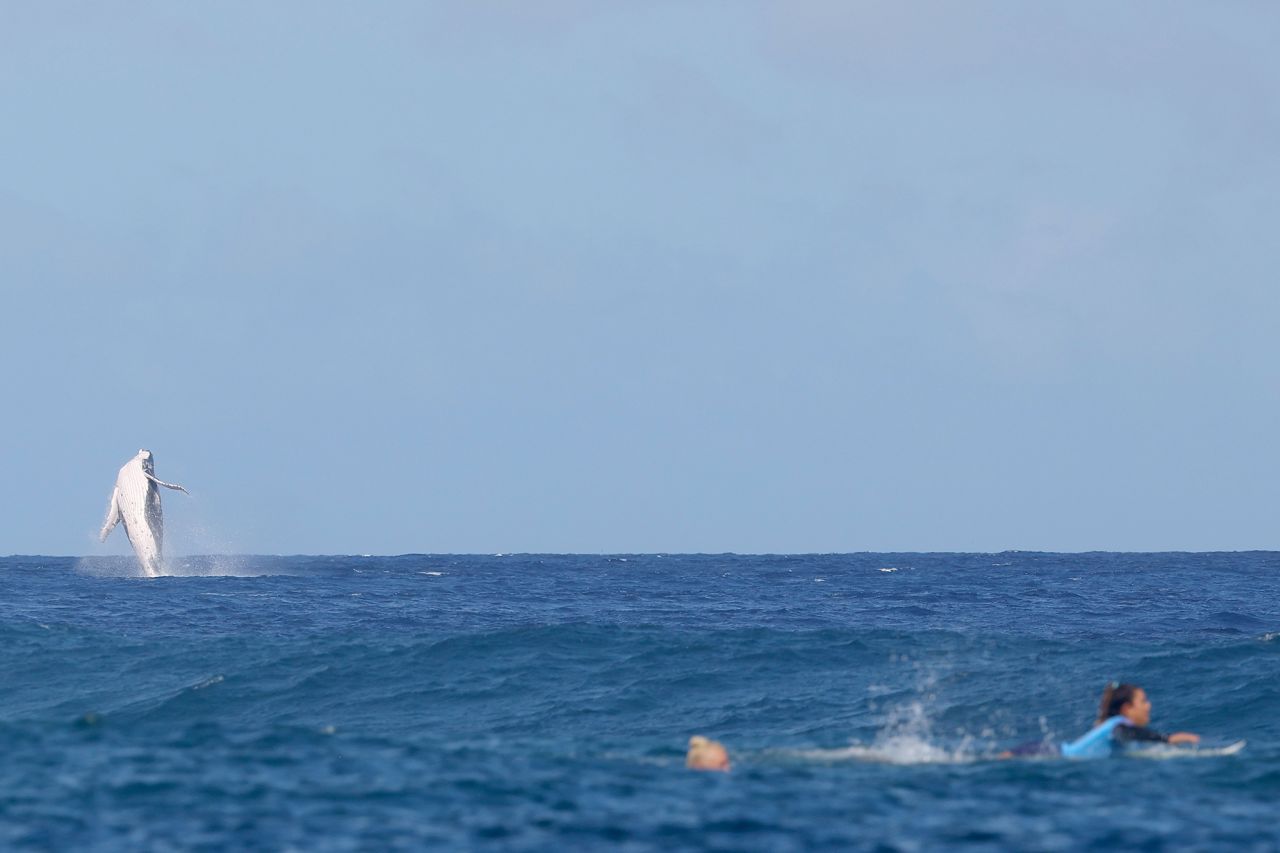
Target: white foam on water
x=901, y=750
x=906, y=738
x=210, y=565
x=193, y=566
x=897, y=750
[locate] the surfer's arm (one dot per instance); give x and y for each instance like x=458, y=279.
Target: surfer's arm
x=173, y=486
x=1146, y=735
x=1129, y=734
x=113, y=516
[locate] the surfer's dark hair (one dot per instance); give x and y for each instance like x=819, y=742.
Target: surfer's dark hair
x=1114, y=697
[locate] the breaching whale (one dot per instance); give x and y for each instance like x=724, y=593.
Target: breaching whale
x=136, y=501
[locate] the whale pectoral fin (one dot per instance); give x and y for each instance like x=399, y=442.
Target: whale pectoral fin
x=173, y=486
x=113, y=516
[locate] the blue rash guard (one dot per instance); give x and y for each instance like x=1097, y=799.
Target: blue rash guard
x=1109, y=736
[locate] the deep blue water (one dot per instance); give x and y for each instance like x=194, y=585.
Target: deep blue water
x=543, y=701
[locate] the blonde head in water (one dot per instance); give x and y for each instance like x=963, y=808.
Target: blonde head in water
x=706, y=754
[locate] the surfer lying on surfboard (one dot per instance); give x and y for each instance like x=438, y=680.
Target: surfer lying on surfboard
x=1123, y=715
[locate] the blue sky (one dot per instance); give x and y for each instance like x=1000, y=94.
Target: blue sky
x=572, y=276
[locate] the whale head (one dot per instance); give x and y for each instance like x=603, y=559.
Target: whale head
x=148, y=463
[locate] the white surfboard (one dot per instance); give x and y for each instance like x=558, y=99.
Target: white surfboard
x=1166, y=751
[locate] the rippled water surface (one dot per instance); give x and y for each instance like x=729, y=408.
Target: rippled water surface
x=543, y=701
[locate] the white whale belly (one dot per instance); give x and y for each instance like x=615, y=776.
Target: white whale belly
x=139, y=502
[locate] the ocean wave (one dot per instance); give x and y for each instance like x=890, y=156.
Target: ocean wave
x=545, y=701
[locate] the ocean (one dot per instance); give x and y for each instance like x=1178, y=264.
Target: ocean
x=543, y=702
